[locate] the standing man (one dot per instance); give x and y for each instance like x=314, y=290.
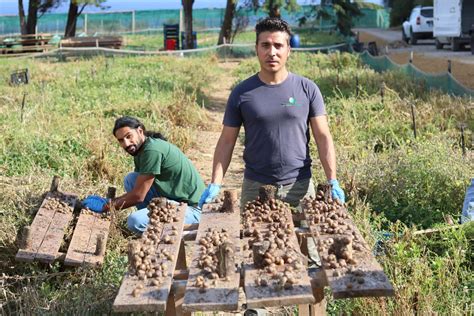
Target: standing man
x=276, y=108
x=161, y=169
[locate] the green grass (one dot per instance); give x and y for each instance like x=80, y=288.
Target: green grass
x=154, y=41
x=394, y=183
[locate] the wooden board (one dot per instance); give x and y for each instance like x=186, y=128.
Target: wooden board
x=151, y=299
x=47, y=232
x=224, y=295
x=101, y=227
x=84, y=240
x=346, y=283
x=258, y=296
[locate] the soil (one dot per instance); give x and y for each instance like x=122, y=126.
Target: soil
x=203, y=151
x=425, y=56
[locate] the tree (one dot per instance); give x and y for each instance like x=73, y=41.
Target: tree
x=28, y=26
x=273, y=6
x=345, y=11
x=75, y=10
x=188, y=22
x=226, y=28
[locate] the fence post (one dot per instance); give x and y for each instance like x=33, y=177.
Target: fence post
x=22, y=106
x=133, y=21
x=413, y=118
x=411, y=58
x=463, y=144
x=449, y=65
x=382, y=91
x=85, y=23
x=357, y=86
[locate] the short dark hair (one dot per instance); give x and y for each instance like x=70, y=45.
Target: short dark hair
x=273, y=25
x=128, y=121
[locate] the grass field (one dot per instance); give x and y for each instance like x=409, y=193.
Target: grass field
x=395, y=184
x=154, y=41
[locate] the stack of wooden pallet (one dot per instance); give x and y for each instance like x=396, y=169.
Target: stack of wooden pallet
x=89, y=41
x=29, y=43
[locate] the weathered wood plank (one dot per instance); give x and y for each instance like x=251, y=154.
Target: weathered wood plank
x=272, y=294
x=224, y=295
x=48, y=228
x=49, y=248
x=152, y=298
x=100, y=228
x=362, y=276
x=80, y=240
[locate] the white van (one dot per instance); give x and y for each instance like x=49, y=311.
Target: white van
x=453, y=23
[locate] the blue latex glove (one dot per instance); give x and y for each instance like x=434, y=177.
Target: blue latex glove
x=95, y=203
x=209, y=194
x=336, y=191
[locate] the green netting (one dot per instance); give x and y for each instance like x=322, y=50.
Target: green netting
x=443, y=81
x=379, y=18
x=115, y=22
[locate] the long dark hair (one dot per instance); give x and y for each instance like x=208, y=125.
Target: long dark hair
x=128, y=121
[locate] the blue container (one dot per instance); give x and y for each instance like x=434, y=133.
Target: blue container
x=295, y=40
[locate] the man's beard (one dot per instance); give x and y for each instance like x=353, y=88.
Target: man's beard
x=134, y=149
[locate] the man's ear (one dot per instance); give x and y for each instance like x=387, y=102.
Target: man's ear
x=140, y=130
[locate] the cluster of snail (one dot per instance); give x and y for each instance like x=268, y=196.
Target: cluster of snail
x=267, y=223
x=208, y=261
x=146, y=262
x=337, y=251
x=59, y=202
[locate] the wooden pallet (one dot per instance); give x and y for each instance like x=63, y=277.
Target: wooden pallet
x=258, y=296
x=224, y=295
x=367, y=278
x=152, y=298
x=47, y=232
x=83, y=249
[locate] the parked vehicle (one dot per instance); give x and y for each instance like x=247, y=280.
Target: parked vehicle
x=419, y=25
x=453, y=23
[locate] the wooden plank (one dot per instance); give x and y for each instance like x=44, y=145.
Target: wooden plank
x=46, y=228
x=80, y=240
x=273, y=294
x=53, y=239
x=362, y=276
x=224, y=294
x=101, y=227
x=151, y=298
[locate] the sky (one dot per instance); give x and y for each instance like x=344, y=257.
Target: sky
x=10, y=7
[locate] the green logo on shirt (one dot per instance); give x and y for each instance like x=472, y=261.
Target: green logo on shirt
x=292, y=102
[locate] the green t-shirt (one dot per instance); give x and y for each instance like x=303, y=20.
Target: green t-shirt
x=175, y=176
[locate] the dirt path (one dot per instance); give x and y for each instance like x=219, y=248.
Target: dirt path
x=202, y=153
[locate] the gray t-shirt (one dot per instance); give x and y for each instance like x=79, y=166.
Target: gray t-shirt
x=276, y=123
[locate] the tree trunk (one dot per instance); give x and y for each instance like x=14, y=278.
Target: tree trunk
x=226, y=28
x=21, y=14
x=32, y=16
x=274, y=9
x=188, y=22
x=71, y=19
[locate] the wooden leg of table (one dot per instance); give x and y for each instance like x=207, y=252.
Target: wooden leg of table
x=304, y=310
x=181, y=261
x=319, y=308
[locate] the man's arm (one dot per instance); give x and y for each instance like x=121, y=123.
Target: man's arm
x=137, y=195
x=223, y=153
x=325, y=144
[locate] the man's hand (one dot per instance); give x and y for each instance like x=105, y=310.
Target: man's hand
x=336, y=191
x=95, y=203
x=209, y=194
